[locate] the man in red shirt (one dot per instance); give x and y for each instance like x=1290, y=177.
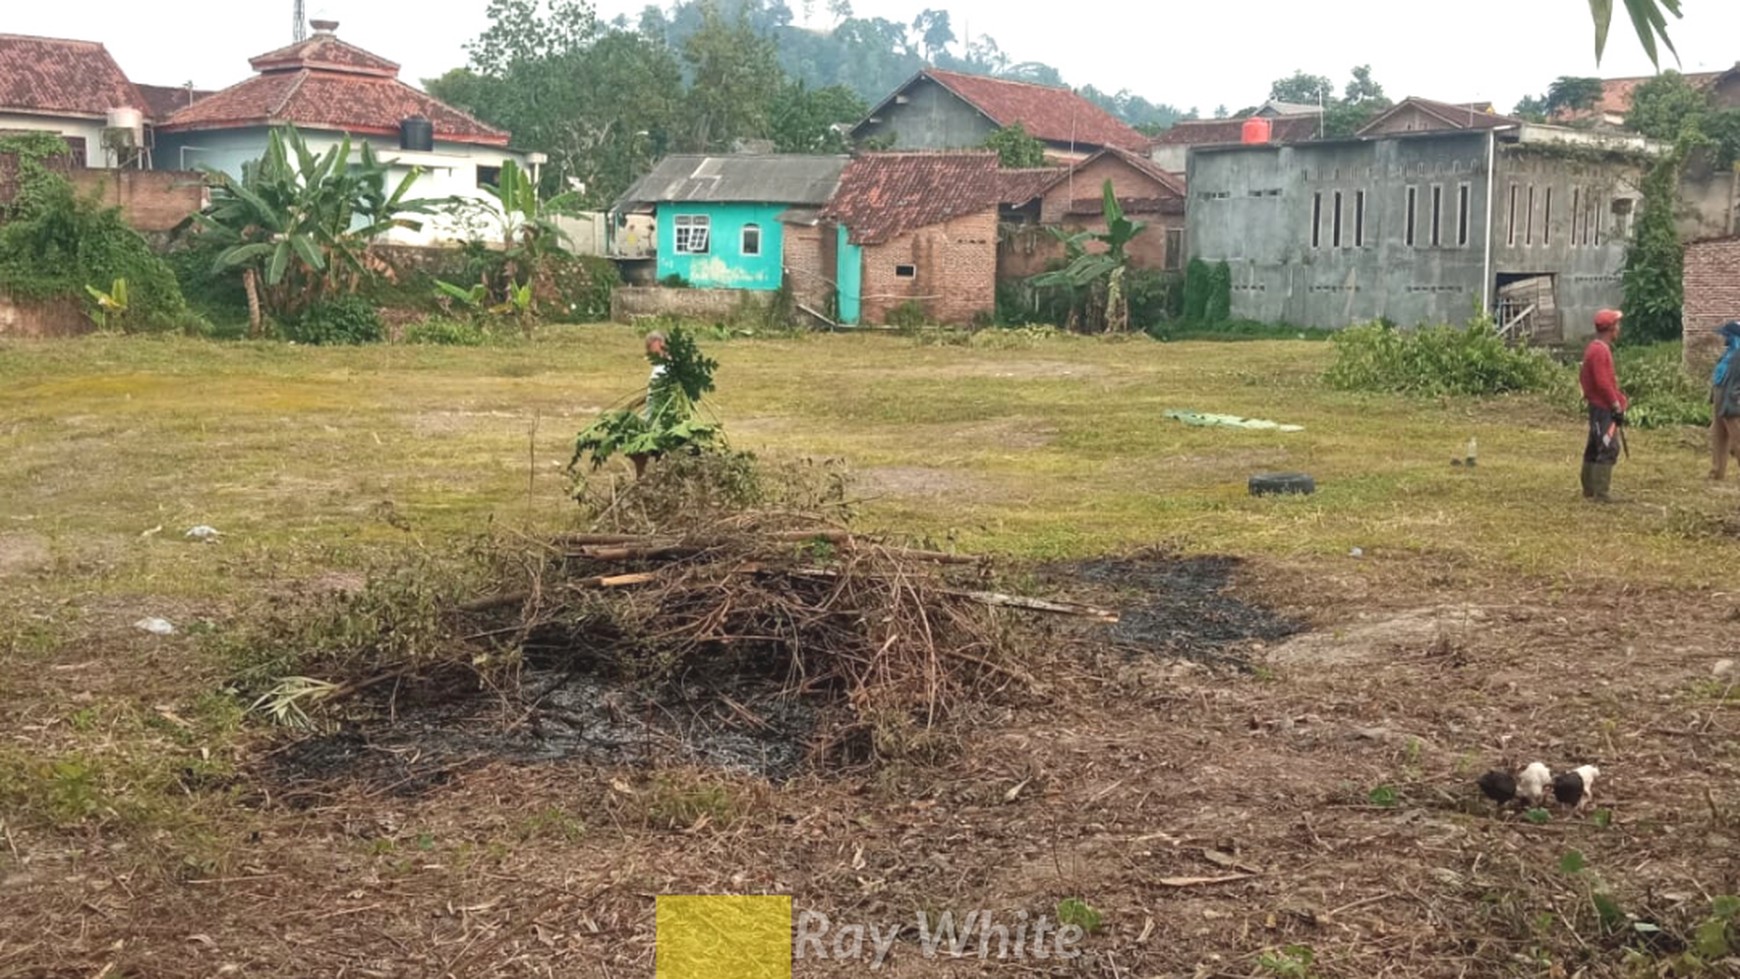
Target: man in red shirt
x=1606, y=407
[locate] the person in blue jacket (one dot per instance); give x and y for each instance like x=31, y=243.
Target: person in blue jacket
x=1725, y=403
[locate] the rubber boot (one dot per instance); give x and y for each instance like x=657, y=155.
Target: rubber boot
x=1588, y=480
x=1601, y=482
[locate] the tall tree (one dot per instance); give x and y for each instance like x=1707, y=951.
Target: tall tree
x=806, y=120
x=1301, y=88
x=1361, y=89
x=1573, y=94
x=1663, y=107
x=934, y=32
x=734, y=78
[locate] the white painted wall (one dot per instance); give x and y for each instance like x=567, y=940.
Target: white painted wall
x=90, y=129
x=449, y=171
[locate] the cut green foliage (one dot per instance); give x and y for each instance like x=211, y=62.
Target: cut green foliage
x=1075, y=911
x=1435, y=361
x=671, y=420
x=1384, y=796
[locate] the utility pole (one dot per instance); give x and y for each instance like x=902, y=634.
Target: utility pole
x=299, y=28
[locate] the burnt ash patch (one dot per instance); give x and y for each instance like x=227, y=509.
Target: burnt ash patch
x=723, y=723
x=1181, y=607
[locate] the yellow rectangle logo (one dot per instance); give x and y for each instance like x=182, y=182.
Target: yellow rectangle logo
x=702, y=937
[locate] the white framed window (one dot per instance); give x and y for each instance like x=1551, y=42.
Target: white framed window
x=693, y=234
x=752, y=239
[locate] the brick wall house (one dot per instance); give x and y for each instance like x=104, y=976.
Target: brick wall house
x=1712, y=284
x=949, y=269
x=1073, y=201
x=921, y=227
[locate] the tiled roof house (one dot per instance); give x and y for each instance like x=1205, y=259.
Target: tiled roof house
x=328, y=88
x=920, y=228
x=65, y=87
x=936, y=110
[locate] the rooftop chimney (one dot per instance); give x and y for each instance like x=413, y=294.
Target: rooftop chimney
x=324, y=26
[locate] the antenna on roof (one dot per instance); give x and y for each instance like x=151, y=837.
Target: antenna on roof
x=299, y=22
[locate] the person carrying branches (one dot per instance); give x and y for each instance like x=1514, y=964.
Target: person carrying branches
x=668, y=416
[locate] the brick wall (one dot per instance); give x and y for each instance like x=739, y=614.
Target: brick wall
x=628, y=304
x=1029, y=251
x=955, y=266
x=807, y=270
x=55, y=318
x=1712, y=281
x=150, y=200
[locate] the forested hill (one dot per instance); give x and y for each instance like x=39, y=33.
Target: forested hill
x=872, y=55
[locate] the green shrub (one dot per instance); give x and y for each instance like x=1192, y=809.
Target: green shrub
x=584, y=284
x=347, y=319
x=1661, y=392
x=446, y=333
x=1196, y=290
x=219, y=296
x=1218, y=308
x=1436, y=360
x=1154, y=297
x=55, y=244
x=674, y=281
x=909, y=315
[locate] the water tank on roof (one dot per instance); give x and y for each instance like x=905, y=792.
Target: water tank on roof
x=1256, y=130
x=417, y=134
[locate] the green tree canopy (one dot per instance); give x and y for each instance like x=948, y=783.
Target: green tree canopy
x=1664, y=106
x=1016, y=150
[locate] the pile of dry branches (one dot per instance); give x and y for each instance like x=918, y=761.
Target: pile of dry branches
x=816, y=609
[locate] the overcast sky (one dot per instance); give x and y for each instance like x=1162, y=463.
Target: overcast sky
x=1196, y=54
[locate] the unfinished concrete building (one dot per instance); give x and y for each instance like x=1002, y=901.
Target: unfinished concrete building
x=1530, y=222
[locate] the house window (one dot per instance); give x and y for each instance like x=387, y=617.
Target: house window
x=1510, y=221
x=1437, y=215
x=1576, y=214
x=1621, y=217
x=1547, y=217
x=692, y=233
x=488, y=176
x=1359, y=219
x=1600, y=222
x=1174, y=249
x=1529, y=220
x=1589, y=212
x=76, y=149
x=1413, y=199
x=1462, y=216
x=1335, y=226
x=752, y=239
x=906, y=271
x=1316, y=220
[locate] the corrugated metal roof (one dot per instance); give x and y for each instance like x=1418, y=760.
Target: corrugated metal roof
x=778, y=179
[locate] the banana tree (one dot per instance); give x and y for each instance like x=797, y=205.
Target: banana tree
x=530, y=236
x=1648, y=19
x=1096, y=278
x=300, y=225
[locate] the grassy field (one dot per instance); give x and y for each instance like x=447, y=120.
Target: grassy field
x=322, y=464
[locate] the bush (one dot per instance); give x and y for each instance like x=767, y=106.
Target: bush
x=1196, y=289
x=347, y=319
x=1218, y=307
x=909, y=315
x=1653, y=378
x=55, y=244
x=446, y=333
x=1437, y=360
x=584, y=284
x=1153, y=296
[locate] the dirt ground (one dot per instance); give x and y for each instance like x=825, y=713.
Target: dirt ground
x=1259, y=763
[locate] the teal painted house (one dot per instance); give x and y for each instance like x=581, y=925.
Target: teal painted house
x=723, y=221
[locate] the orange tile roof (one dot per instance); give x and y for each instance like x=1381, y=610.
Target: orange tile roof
x=1053, y=115
x=324, y=83
x=884, y=195
x=55, y=76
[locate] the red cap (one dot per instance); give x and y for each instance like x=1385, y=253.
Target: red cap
x=1607, y=319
